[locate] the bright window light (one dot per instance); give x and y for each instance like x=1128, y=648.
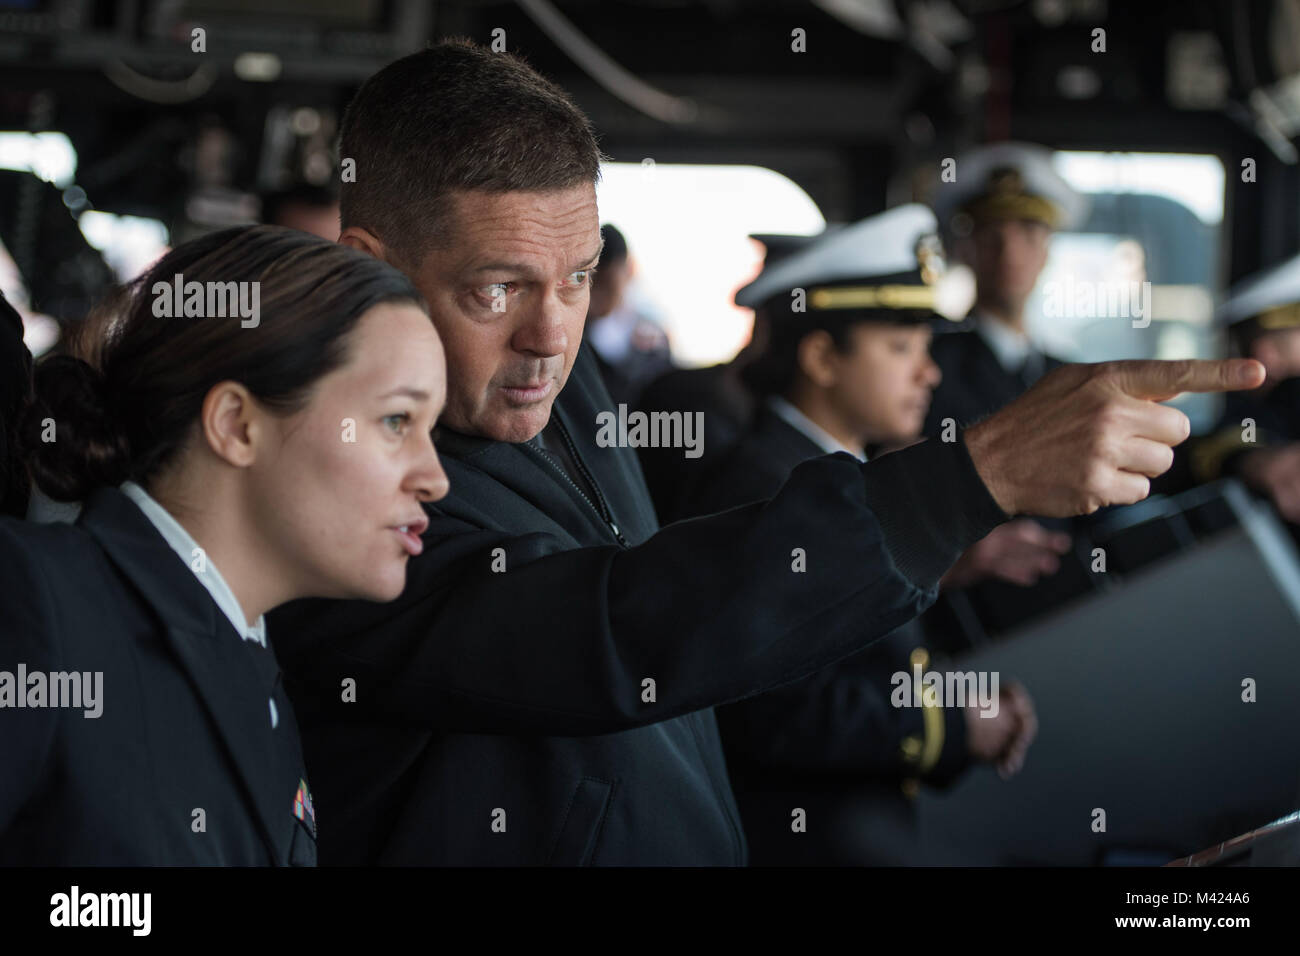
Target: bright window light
x=129, y=244
x=1154, y=231
x=1195, y=181
x=49, y=156
x=687, y=231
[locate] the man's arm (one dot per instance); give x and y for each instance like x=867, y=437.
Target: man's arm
x=711, y=610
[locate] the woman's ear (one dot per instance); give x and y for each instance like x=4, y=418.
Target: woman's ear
x=816, y=355
x=230, y=423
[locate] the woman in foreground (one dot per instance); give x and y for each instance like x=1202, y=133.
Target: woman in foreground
x=250, y=424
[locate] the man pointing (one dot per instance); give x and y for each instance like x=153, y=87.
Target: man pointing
x=542, y=691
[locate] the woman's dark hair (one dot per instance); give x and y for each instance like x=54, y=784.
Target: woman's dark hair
x=126, y=398
x=773, y=370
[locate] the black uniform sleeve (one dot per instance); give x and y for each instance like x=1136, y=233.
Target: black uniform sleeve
x=26, y=733
x=842, y=722
x=706, y=611
x=836, y=723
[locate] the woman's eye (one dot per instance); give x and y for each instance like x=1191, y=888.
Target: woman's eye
x=403, y=417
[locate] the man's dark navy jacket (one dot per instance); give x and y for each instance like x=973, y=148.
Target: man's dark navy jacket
x=502, y=713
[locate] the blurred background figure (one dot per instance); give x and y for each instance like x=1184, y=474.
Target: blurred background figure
x=850, y=371
x=1258, y=438
x=999, y=213
x=629, y=349
x=304, y=207
x=716, y=390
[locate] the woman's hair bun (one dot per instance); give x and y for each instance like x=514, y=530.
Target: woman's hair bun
x=73, y=441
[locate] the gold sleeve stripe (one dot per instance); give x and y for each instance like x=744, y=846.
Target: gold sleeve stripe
x=1207, y=456
x=1282, y=317
x=933, y=715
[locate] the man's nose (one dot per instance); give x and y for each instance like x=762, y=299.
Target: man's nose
x=542, y=331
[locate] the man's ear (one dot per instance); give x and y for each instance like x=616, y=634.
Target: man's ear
x=355, y=237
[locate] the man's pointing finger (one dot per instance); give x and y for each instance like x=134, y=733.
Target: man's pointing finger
x=1159, y=381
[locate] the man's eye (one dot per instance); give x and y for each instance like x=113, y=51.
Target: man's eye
x=580, y=277
x=403, y=417
x=494, y=296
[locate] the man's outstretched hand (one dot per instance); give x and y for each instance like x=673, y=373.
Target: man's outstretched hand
x=1088, y=436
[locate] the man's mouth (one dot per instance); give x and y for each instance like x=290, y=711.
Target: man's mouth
x=527, y=393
